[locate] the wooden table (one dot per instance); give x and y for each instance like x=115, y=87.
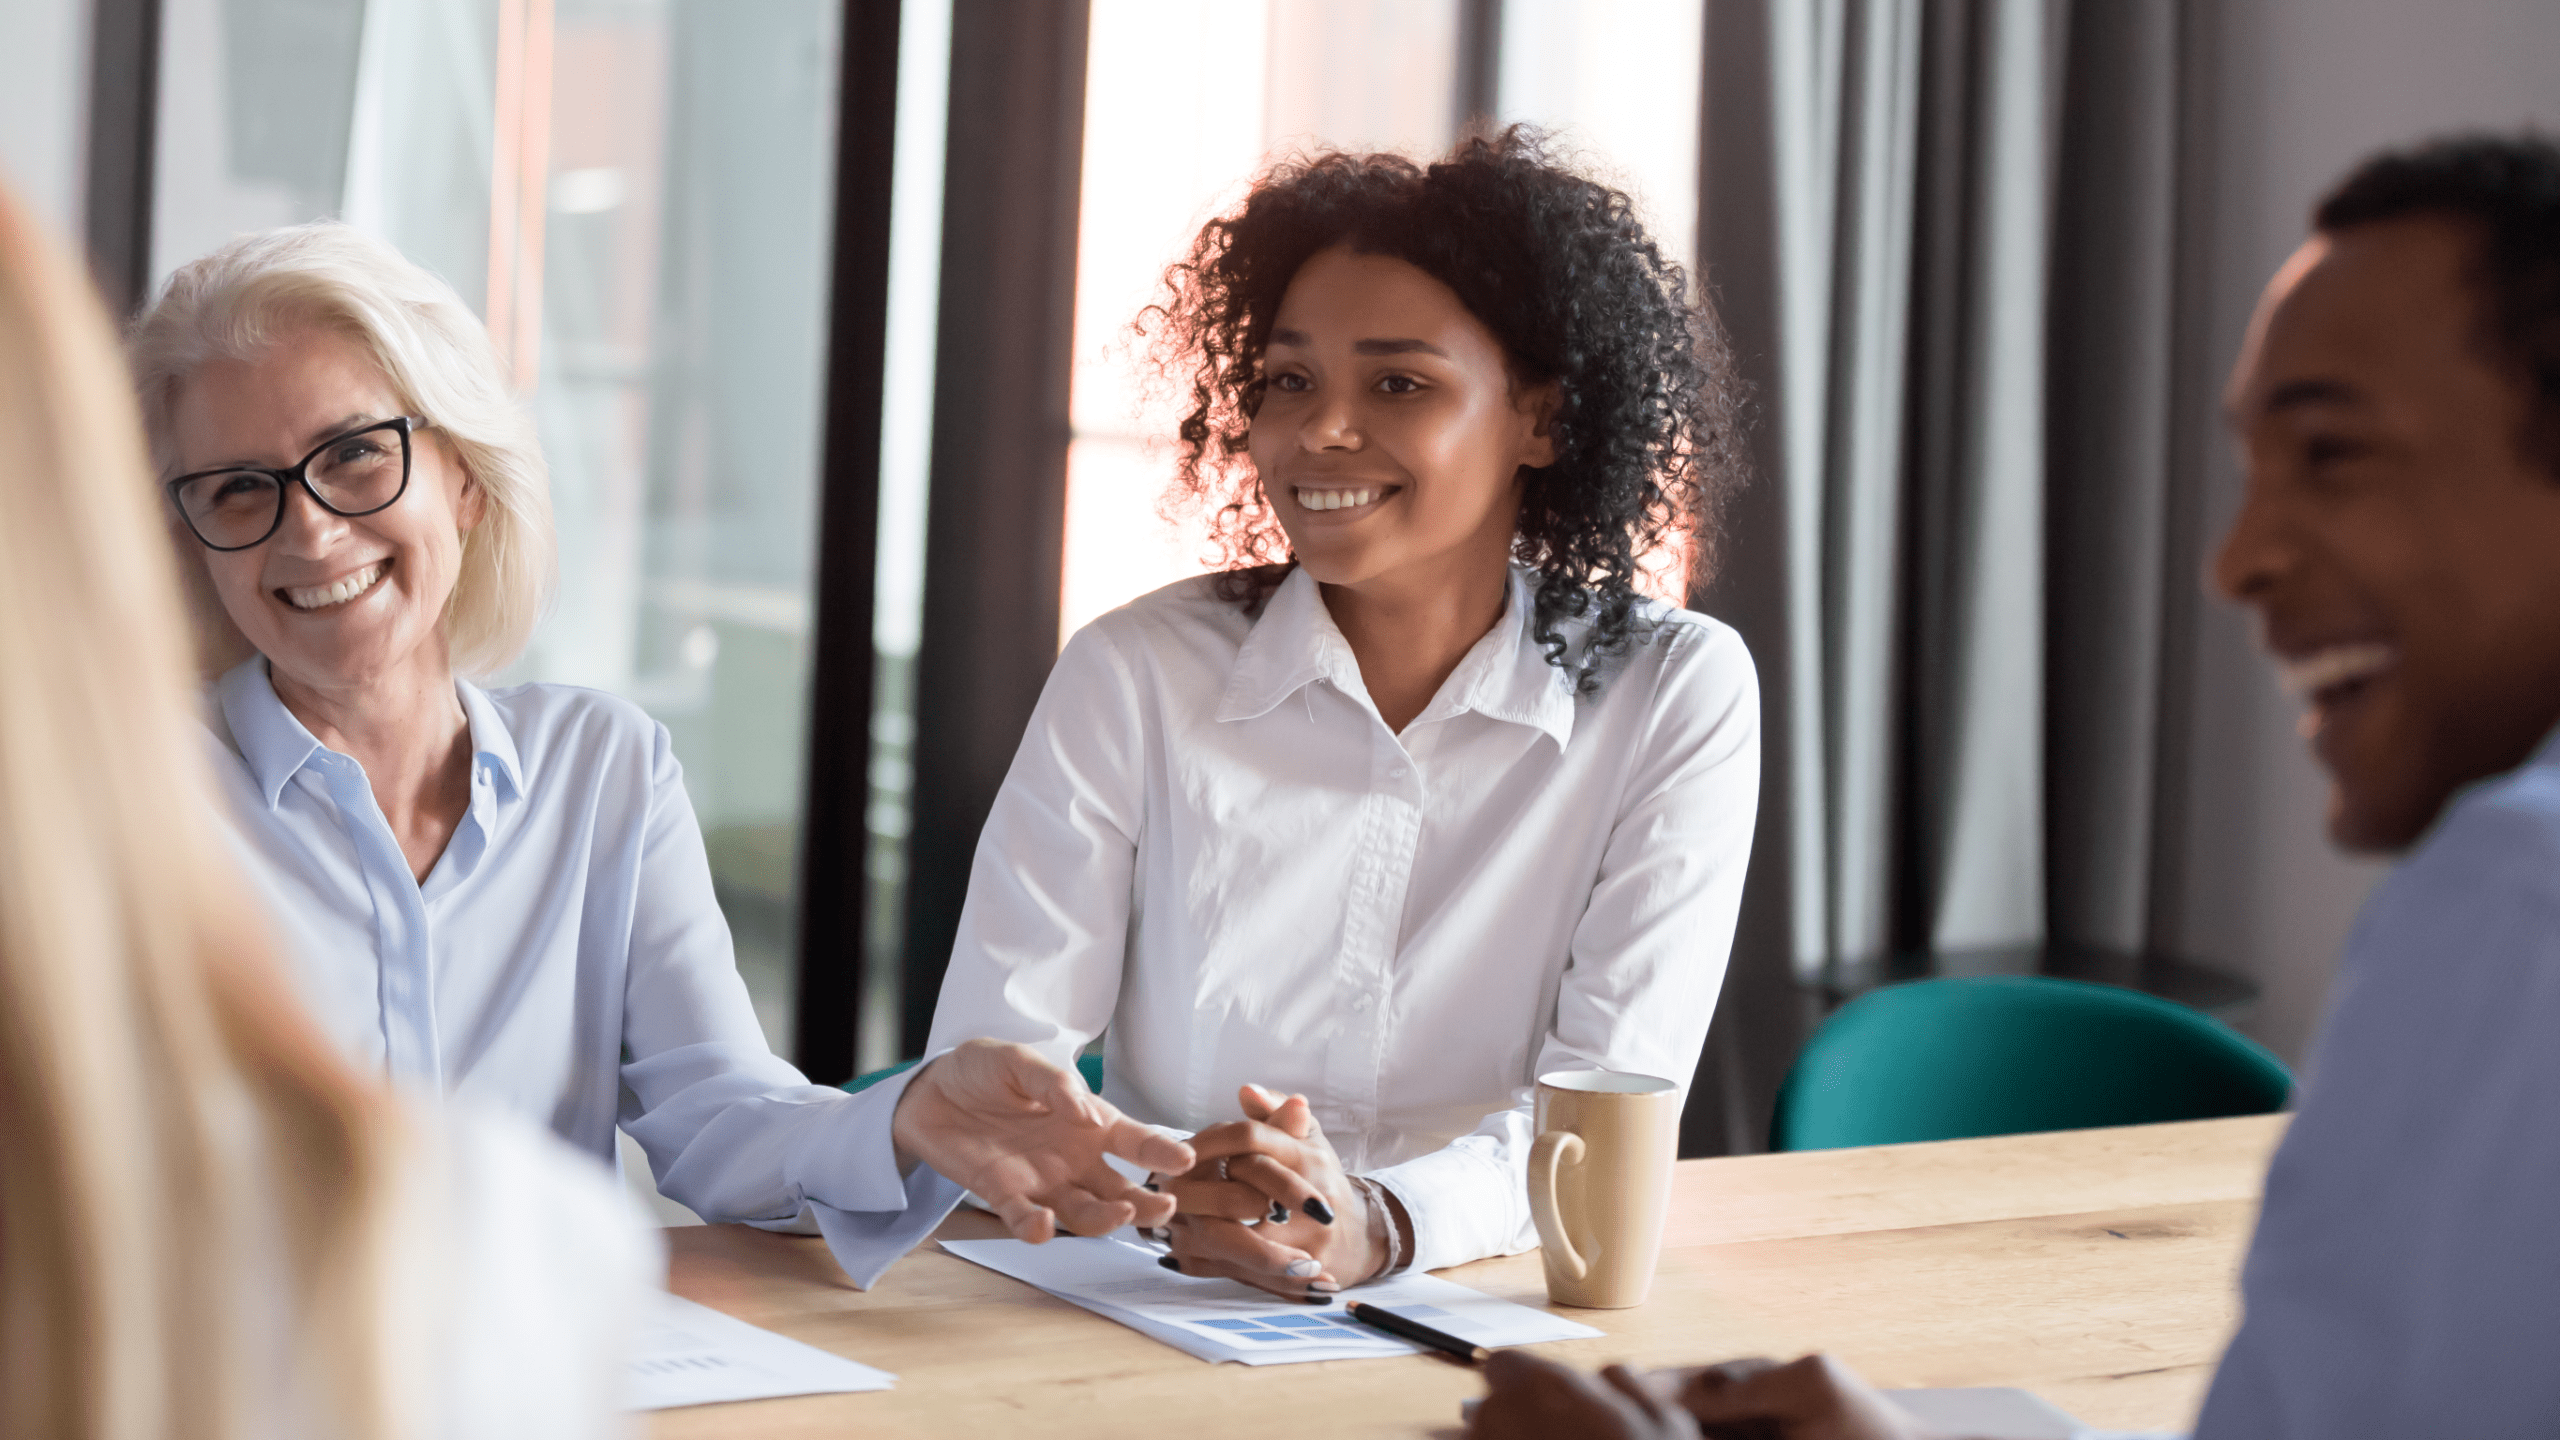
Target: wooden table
x=2094, y=1267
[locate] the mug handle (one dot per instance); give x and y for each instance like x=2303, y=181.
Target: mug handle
x=1556, y=1147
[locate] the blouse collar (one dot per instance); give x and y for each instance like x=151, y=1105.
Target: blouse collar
x=1504, y=676
x=277, y=746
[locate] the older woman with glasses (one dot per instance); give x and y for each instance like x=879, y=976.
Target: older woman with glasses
x=503, y=893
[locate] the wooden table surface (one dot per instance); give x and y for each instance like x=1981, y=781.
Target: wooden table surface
x=2093, y=1267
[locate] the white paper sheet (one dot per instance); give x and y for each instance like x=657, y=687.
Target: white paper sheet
x=1118, y=1278
x=1995, y=1413
x=1988, y=1412
x=688, y=1354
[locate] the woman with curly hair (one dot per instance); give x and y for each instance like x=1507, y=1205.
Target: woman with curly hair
x=1417, y=798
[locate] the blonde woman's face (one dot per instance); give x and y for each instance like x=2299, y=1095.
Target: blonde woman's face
x=335, y=604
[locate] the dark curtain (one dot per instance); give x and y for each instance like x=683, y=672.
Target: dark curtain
x=1944, y=235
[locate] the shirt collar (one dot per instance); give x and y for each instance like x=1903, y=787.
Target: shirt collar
x=493, y=745
x=277, y=746
x=1293, y=644
x=1504, y=676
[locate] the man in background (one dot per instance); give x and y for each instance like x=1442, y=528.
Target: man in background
x=2398, y=407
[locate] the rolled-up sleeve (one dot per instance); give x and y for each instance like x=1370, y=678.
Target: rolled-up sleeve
x=1648, y=956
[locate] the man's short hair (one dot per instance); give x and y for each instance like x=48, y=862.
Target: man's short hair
x=2507, y=189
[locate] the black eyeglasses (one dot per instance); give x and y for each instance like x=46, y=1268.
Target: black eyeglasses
x=348, y=475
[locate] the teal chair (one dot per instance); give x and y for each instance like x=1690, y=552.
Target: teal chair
x=2004, y=1055
x=1090, y=1066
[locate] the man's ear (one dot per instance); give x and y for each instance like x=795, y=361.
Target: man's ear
x=1540, y=403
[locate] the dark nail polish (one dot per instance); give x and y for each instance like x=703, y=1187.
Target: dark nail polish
x=1317, y=1297
x=1151, y=1185
x=1169, y=1263
x=1318, y=1211
x=1279, y=1213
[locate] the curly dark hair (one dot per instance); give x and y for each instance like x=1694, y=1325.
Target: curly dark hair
x=1557, y=268
x=2507, y=188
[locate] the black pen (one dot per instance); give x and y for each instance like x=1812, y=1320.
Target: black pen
x=1417, y=1332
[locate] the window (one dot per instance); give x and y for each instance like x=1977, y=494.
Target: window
x=1186, y=99
x=636, y=194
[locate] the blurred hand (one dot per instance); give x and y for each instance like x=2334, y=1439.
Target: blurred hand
x=1527, y=1398
x=1815, y=1398
x=1027, y=1139
x=1321, y=1238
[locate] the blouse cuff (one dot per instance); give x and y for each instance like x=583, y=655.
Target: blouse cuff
x=849, y=1178
x=1465, y=1205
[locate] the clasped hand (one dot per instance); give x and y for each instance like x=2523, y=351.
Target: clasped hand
x=1815, y=1398
x=1266, y=1202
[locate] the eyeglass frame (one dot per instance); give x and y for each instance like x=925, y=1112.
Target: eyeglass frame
x=299, y=473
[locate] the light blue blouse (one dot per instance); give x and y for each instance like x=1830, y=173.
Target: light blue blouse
x=564, y=960
x=2405, y=1278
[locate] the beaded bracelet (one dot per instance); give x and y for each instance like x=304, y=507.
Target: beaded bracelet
x=1376, y=1196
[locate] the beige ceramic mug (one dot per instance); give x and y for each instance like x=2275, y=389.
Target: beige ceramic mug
x=1600, y=1183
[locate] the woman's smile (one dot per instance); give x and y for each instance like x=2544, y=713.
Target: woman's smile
x=337, y=592
x=1327, y=499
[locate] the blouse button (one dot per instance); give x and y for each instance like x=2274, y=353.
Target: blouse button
x=1360, y=1003
x=1397, y=773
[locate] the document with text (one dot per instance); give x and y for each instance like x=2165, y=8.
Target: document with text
x=689, y=1354
x=1118, y=1278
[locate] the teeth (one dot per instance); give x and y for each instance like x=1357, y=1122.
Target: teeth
x=1335, y=499
x=2310, y=674
x=320, y=597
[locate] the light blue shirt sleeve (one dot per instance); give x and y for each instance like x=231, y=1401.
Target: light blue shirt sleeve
x=565, y=959
x=2405, y=1275
x=732, y=1130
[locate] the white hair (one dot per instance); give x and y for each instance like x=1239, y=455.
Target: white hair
x=233, y=303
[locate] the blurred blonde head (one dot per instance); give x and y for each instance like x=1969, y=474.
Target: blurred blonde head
x=258, y=289
x=172, y=1131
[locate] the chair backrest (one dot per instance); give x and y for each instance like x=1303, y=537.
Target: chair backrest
x=2003, y=1055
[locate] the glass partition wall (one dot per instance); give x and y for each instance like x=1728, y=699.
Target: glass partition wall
x=636, y=194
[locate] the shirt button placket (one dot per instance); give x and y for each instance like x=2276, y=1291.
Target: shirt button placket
x=399, y=911
x=1395, y=828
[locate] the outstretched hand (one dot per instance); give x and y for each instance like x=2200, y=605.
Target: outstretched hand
x=1027, y=1139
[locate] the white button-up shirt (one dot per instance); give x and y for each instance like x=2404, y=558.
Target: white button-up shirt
x=564, y=960
x=1211, y=845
